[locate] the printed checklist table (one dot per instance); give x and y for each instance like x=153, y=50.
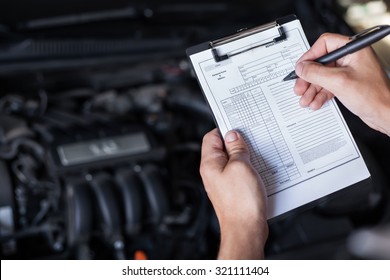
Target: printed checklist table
x=250, y=113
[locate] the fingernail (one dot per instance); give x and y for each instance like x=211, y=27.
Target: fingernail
x=302, y=103
x=231, y=136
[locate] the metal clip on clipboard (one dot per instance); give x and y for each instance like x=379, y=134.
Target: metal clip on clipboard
x=244, y=33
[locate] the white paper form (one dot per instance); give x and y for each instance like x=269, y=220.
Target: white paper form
x=301, y=155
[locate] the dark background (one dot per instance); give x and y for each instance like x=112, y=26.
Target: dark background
x=72, y=71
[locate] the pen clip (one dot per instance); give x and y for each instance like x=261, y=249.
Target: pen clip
x=367, y=31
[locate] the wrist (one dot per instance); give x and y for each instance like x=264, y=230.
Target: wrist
x=378, y=111
x=243, y=239
x=384, y=117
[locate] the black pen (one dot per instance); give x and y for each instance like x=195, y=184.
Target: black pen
x=358, y=42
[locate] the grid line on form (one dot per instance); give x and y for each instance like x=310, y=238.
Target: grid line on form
x=250, y=113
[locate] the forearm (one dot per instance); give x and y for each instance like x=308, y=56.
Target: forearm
x=380, y=117
x=384, y=126
x=385, y=117
x=243, y=241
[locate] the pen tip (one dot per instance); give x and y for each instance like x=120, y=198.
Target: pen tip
x=290, y=76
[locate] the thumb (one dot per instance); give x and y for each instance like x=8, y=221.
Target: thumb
x=318, y=74
x=236, y=147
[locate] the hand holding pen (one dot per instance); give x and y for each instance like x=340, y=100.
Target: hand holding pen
x=357, y=42
x=357, y=80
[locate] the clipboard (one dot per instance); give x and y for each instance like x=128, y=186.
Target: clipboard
x=302, y=156
x=247, y=32
x=242, y=33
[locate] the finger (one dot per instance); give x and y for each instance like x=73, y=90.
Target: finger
x=236, y=147
x=213, y=156
x=323, y=76
x=320, y=99
x=300, y=86
x=326, y=43
x=309, y=95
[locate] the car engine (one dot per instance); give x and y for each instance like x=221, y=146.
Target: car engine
x=111, y=169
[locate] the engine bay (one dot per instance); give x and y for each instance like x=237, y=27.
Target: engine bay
x=136, y=177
